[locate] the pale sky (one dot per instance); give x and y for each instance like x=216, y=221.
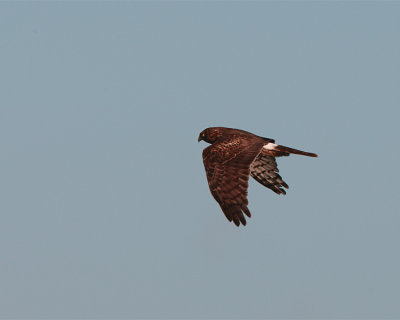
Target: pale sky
x=105, y=207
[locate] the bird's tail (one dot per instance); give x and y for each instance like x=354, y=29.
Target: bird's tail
x=285, y=151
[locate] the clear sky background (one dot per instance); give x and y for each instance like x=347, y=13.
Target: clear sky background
x=105, y=211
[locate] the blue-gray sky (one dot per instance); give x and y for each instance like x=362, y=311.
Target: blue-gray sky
x=105, y=208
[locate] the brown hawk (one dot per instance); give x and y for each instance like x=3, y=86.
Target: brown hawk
x=233, y=156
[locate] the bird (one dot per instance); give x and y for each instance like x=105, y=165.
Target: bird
x=233, y=156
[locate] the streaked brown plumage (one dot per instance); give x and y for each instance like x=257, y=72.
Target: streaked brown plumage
x=231, y=158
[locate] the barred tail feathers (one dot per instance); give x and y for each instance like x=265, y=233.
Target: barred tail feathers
x=287, y=150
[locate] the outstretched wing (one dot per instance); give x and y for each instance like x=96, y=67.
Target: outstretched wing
x=265, y=170
x=227, y=165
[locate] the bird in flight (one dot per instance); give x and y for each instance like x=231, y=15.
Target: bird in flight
x=232, y=157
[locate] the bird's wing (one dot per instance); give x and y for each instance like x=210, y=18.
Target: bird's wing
x=265, y=170
x=227, y=165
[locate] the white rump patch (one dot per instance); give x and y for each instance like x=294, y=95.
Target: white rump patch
x=270, y=146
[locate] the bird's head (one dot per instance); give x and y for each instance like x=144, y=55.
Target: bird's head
x=210, y=135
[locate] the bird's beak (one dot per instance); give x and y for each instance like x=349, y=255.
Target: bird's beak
x=200, y=138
